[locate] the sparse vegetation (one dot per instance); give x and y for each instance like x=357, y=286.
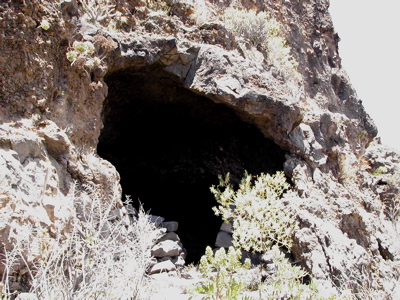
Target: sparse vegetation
x=227, y=278
x=259, y=217
x=392, y=205
x=97, y=11
x=263, y=32
x=250, y=25
x=102, y=257
x=286, y=282
x=260, y=224
x=382, y=170
x=358, y=285
x=222, y=273
x=118, y=21
x=82, y=55
x=394, y=211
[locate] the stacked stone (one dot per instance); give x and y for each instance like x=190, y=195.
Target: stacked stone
x=168, y=253
x=224, y=236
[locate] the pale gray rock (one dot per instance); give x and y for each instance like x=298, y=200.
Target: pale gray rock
x=105, y=230
x=164, y=266
x=162, y=231
x=226, y=227
x=166, y=248
x=169, y=236
x=116, y=214
x=396, y=292
x=338, y=251
x=380, y=156
x=224, y=239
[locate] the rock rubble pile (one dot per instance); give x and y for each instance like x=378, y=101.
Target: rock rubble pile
x=168, y=254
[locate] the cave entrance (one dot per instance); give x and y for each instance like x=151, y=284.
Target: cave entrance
x=169, y=146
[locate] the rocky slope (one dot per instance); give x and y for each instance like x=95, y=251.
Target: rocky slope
x=69, y=76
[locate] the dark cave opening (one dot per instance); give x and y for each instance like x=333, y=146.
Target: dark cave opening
x=169, y=146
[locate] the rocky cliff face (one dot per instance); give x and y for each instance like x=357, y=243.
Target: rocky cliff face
x=170, y=96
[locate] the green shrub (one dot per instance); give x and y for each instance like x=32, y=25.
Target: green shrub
x=222, y=273
x=259, y=217
x=286, y=282
x=82, y=55
x=262, y=223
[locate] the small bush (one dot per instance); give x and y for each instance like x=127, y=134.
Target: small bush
x=261, y=223
x=259, y=217
x=97, y=11
x=262, y=32
x=82, y=55
x=248, y=24
x=286, y=282
x=222, y=273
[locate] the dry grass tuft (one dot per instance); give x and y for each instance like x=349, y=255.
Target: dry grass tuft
x=104, y=256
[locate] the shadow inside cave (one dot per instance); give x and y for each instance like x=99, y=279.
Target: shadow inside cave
x=169, y=145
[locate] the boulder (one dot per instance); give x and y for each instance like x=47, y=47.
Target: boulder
x=226, y=227
x=164, y=266
x=170, y=226
x=224, y=239
x=166, y=248
x=169, y=236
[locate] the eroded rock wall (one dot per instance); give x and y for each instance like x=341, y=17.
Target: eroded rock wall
x=51, y=116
